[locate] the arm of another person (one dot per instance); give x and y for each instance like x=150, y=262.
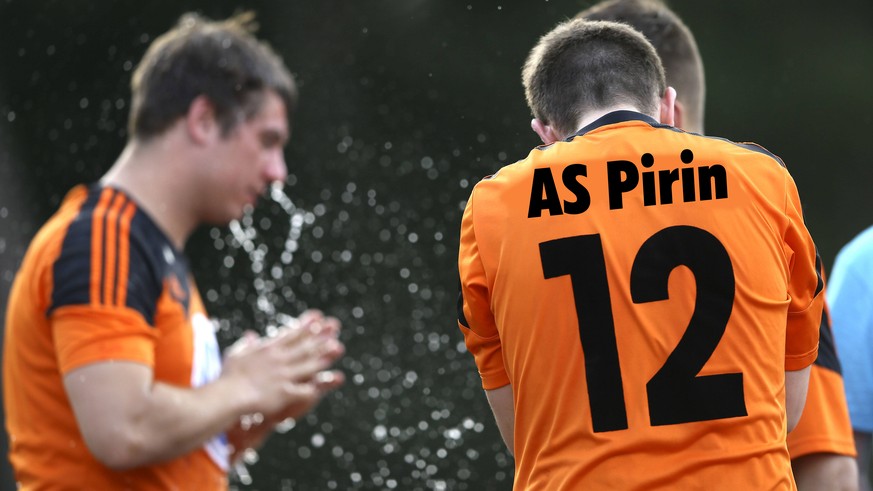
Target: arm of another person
x=504, y=413
x=864, y=447
x=796, y=386
x=128, y=420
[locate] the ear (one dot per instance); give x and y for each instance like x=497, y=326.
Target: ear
x=668, y=106
x=200, y=121
x=546, y=133
x=679, y=115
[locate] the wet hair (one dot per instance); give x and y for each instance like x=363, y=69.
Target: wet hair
x=581, y=66
x=221, y=60
x=672, y=40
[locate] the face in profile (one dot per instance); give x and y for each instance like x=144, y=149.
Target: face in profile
x=245, y=162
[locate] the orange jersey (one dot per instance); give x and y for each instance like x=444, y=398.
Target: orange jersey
x=101, y=282
x=824, y=426
x=644, y=291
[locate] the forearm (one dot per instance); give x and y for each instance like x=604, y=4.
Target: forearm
x=128, y=420
x=502, y=406
x=176, y=421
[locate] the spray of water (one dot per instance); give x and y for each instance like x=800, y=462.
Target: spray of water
x=267, y=277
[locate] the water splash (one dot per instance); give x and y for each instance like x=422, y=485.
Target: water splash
x=267, y=278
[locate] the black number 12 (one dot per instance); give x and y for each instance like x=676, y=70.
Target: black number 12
x=676, y=393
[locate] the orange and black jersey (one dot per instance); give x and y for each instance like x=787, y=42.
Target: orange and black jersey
x=101, y=282
x=112, y=256
x=643, y=290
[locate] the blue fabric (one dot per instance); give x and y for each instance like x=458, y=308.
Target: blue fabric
x=850, y=298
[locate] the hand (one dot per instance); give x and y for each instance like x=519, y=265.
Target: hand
x=273, y=373
x=325, y=381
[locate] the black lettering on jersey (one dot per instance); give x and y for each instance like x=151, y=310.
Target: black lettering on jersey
x=622, y=177
x=570, y=177
x=544, y=192
x=696, y=183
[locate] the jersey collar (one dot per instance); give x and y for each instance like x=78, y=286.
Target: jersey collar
x=614, y=117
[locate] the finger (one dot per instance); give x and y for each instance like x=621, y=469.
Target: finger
x=333, y=350
x=331, y=326
x=329, y=380
x=297, y=393
x=308, y=346
x=248, y=340
x=291, y=335
x=311, y=316
x=305, y=369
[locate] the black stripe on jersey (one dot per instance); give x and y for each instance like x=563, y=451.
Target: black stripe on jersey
x=819, y=286
x=827, y=353
x=462, y=319
x=147, y=267
x=71, y=272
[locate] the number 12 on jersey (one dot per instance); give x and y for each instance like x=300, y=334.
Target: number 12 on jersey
x=676, y=393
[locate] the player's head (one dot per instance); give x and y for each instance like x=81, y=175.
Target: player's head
x=219, y=60
x=582, y=67
x=675, y=45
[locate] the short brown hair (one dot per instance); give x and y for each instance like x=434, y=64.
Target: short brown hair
x=221, y=60
x=582, y=66
x=672, y=40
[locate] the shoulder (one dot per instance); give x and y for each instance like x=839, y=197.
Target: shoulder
x=111, y=255
x=858, y=253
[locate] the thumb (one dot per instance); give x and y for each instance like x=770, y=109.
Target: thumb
x=248, y=339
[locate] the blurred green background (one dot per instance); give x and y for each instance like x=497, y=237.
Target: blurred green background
x=404, y=105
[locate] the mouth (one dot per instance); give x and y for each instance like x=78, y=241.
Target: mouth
x=253, y=196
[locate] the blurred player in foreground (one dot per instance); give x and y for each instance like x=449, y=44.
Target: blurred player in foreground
x=850, y=295
x=821, y=447
x=112, y=373
x=642, y=303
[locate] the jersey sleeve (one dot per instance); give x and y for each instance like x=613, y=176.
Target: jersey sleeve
x=805, y=286
x=105, y=292
x=475, y=318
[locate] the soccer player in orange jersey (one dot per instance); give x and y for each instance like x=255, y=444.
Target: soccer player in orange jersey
x=111, y=372
x=642, y=303
x=821, y=447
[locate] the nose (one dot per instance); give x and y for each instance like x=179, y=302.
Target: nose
x=276, y=169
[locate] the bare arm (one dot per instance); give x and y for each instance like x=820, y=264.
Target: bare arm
x=830, y=471
x=504, y=413
x=863, y=446
x=796, y=386
x=129, y=420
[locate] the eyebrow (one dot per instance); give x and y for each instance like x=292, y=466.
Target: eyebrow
x=272, y=135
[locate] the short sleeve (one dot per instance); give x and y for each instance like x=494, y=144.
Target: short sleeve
x=85, y=334
x=475, y=318
x=106, y=286
x=805, y=286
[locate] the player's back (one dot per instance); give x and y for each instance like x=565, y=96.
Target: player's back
x=640, y=280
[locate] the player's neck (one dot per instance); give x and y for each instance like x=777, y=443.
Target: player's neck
x=155, y=178
x=594, y=115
